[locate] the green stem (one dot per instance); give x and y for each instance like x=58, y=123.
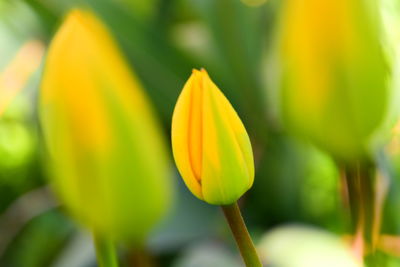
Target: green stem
x=139, y=256
x=105, y=252
x=360, y=183
x=242, y=237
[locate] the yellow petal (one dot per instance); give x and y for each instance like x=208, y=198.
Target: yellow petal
x=228, y=168
x=196, y=125
x=183, y=132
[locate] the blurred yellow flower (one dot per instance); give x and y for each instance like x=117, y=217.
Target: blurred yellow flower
x=109, y=162
x=210, y=144
x=333, y=73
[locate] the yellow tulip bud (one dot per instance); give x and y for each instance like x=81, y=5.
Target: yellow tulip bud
x=210, y=144
x=108, y=158
x=333, y=82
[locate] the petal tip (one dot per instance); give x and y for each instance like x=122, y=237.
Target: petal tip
x=195, y=71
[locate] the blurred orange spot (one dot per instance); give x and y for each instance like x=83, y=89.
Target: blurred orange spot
x=393, y=147
x=17, y=73
x=390, y=244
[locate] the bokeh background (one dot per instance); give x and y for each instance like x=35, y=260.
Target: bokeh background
x=295, y=184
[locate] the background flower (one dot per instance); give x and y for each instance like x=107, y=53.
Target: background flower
x=236, y=41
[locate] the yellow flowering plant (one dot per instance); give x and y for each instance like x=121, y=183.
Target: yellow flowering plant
x=334, y=91
x=333, y=74
x=102, y=136
x=213, y=153
x=211, y=146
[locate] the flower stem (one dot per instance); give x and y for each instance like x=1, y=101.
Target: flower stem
x=105, y=252
x=139, y=256
x=360, y=181
x=242, y=237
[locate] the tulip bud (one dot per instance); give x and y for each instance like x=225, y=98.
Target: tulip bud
x=108, y=158
x=333, y=71
x=210, y=144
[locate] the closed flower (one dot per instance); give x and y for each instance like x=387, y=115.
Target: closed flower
x=210, y=144
x=108, y=157
x=333, y=73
